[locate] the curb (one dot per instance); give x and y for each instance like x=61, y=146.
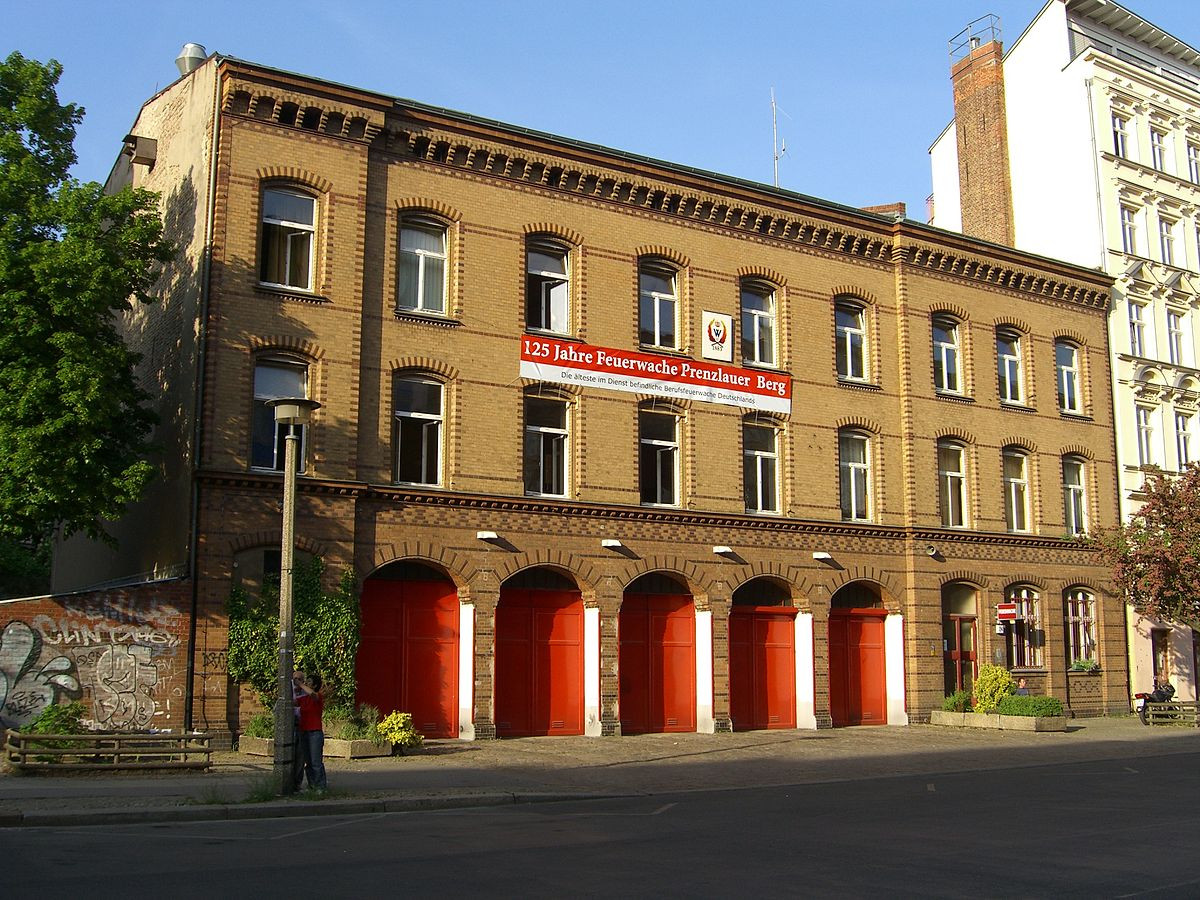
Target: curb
x=279, y=810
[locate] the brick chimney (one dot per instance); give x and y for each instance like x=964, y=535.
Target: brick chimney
x=984, y=187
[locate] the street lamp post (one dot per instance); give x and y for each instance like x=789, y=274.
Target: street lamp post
x=292, y=412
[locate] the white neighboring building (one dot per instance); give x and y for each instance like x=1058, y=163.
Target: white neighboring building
x=1102, y=111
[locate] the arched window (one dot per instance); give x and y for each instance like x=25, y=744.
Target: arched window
x=760, y=466
x=952, y=483
x=547, y=286
x=1010, y=370
x=1074, y=474
x=1024, y=635
x=1081, y=626
x=417, y=429
x=851, y=351
x=1016, y=489
x=422, y=278
x=275, y=378
x=758, y=323
x=854, y=470
x=1066, y=361
x=658, y=451
x=289, y=221
x=547, y=445
x=658, y=304
x=947, y=355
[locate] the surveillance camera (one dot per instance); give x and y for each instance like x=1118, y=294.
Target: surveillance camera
x=930, y=550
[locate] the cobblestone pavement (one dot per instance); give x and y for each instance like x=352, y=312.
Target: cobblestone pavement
x=459, y=772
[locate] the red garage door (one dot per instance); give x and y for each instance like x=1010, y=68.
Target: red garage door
x=857, y=689
x=657, y=663
x=408, y=654
x=762, y=667
x=539, y=662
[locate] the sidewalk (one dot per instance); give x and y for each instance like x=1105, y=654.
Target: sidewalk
x=457, y=773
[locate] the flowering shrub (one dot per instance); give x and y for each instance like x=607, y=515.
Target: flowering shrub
x=993, y=684
x=398, y=729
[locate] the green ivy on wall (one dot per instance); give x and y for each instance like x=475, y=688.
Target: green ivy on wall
x=326, y=630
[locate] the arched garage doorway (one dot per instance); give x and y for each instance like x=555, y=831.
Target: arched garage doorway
x=762, y=656
x=657, y=656
x=857, y=656
x=539, y=655
x=408, y=651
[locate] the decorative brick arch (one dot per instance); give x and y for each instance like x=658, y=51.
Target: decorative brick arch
x=1021, y=442
x=954, y=434
x=762, y=273
x=950, y=309
x=849, y=292
x=270, y=540
x=585, y=574
x=1012, y=323
x=776, y=571
x=1078, y=450
x=284, y=343
x=550, y=389
x=671, y=404
x=554, y=230
x=424, y=364
x=295, y=175
x=428, y=205
x=1069, y=335
x=860, y=422
x=980, y=582
x=458, y=568
x=661, y=251
x=867, y=573
x=697, y=581
x=1021, y=578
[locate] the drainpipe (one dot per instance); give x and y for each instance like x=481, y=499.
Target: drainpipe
x=198, y=398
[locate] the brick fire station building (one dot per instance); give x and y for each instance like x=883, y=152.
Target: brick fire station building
x=610, y=445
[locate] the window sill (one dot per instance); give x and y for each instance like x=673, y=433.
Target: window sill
x=426, y=318
x=858, y=385
x=956, y=398
x=557, y=335
x=751, y=364
x=1017, y=407
x=665, y=351
x=1077, y=416
x=289, y=293
x=661, y=505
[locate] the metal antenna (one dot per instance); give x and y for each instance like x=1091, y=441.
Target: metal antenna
x=777, y=149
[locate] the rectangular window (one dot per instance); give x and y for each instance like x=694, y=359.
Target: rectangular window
x=1081, y=626
x=947, y=374
x=1166, y=240
x=273, y=380
x=1074, y=495
x=1178, y=344
x=760, y=468
x=1193, y=154
x=1183, y=439
x=1066, y=359
x=657, y=305
x=1120, y=130
x=545, y=447
x=854, y=462
x=1008, y=364
x=546, y=289
x=851, y=350
x=1145, y=434
x=952, y=480
x=758, y=324
x=422, y=285
x=1137, y=328
x=288, y=227
x=417, y=430
x=1158, y=149
x=1025, y=635
x=659, y=457
x=1129, y=231
x=1016, y=491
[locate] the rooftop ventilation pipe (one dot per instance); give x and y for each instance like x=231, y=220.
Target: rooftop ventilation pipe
x=190, y=57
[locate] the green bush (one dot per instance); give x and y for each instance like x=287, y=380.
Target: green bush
x=399, y=729
x=347, y=723
x=1085, y=665
x=261, y=726
x=1021, y=705
x=993, y=684
x=959, y=701
x=60, y=718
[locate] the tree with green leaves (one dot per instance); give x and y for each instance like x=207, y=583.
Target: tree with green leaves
x=74, y=424
x=1155, y=557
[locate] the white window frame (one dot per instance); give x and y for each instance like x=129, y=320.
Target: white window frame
x=855, y=475
x=1183, y=439
x=1159, y=140
x=278, y=431
x=1081, y=625
x=947, y=356
x=431, y=425
x=1026, y=629
x=952, y=485
x=1193, y=157
x=1177, y=334
x=1120, y=129
x=1069, y=382
x=658, y=301
x=1016, y=490
x=1129, y=230
x=1166, y=240
x=1010, y=368
x=852, y=356
x=1137, y=328
x=659, y=448
x=556, y=440
x=293, y=230
x=761, y=467
x=1075, y=511
x=758, y=326
x=548, y=290
x=423, y=259
x=1144, y=418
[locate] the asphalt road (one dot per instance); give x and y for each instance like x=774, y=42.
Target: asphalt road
x=1114, y=828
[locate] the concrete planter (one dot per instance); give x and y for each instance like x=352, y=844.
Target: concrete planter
x=993, y=720
x=336, y=747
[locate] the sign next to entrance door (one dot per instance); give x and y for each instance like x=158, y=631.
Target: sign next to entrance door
x=1006, y=612
x=569, y=362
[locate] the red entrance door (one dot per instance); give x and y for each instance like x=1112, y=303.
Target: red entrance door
x=657, y=663
x=762, y=667
x=958, y=640
x=408, y=654
x=539, y=663
x=857, y=686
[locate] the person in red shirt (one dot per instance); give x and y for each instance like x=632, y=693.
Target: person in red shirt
x=311, y=704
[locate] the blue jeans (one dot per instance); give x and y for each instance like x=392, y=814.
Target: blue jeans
x=312, y=747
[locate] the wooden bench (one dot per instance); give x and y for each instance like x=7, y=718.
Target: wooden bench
x=107, y=750
x=1174, y=712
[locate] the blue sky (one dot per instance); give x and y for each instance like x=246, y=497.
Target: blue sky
x=863, y=84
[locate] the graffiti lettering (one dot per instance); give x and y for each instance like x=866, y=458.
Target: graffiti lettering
x=27, y=684
x=66, y=632
x=124, y=677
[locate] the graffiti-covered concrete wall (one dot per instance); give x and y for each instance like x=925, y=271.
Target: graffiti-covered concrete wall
x=123, y=652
